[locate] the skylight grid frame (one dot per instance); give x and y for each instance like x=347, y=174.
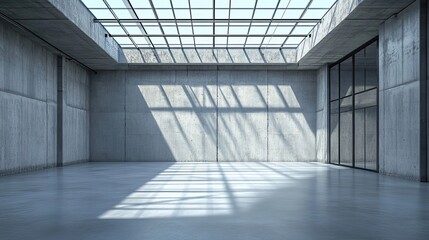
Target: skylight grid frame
x=239, y=17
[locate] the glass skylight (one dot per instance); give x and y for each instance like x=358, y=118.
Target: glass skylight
x=148, y=24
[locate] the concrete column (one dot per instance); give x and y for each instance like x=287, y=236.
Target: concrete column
x=402, y=98
x=322, y=115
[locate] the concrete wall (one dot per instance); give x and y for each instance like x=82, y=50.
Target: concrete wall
x=322, y=115
x=75, y=113
x=399, y=98
x=28, y=105
x=203, y=116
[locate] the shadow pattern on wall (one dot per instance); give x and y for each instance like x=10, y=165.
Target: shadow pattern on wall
x=216, y=116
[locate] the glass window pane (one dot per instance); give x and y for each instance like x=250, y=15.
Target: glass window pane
x=333, y=152
x=334, y=82
x=346, y=138
x=346, y=77
x=371, y=138
x=346, y=104
x=366, y=99
x=263, y=13
x=371, y=65
x=360, y=71
x=145, y=14
x=360, y=138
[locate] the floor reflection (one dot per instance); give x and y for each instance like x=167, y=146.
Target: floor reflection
x=192, y=189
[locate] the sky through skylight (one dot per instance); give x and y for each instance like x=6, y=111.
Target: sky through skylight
x=208, y=23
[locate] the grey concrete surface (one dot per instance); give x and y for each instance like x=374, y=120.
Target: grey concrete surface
x=291, y=116
x=107, y=116
x=346, y=26
x=203, y=116
x=399, y=94
x=67, y=25
x=322, y=115
x=211, y=201
x=75, y=113
x=28, y=106
x=286, y=57
x=27, y=103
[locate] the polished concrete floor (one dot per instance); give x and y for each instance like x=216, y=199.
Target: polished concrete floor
x=211, y=201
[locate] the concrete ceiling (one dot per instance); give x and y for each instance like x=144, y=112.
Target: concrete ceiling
x=347, y=26
x=68, y=26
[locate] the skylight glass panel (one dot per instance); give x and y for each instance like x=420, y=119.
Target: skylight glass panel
x=289, y=14
x=123, y=40
x=238, y=30
x=314, y=14
x=254, y=40
x=116, y=3
x=264, y=13
x=202, y=13
x=201, y=3
x=322, y=4
x=274, y=40
x=140, y=40
x=158, y=40
x=222, y=14
x=145, y=14
x=203, y=40
x=138, y=3
x=102, y=14
x=165, y=13
x=170, y=30
x=241, y=13
x=266, y=3
x=134, y=30
x=222, y=3
x=153, y=30
x=283, y=30
x=221, y=29
x=161, y=4
x=173, y=40
x=242, y=3
x=115, y=30
x=180, y=3
x=190, y=23
x=94, y=3
x=258, y=30
x=123, y=13
x=294, y=40
x=185, y=30
x=302, y=30
x=202, y=30
x=182, y=13
x=299, y=3
x=187, y=40
x=236, y=40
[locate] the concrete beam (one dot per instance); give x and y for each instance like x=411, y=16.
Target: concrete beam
x=68, y=26
x=348, y=25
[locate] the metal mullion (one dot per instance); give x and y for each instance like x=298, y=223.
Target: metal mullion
x=159, y=24
x=144, y=30
x=251, y=22
x=192, y=23
x=177, y=27
x=269, y=24
x=181, y=8
x=116, y=18
x=204, y=20
x=229, y=19
x=202, y=35
x=302, y=14
x=214, y=23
